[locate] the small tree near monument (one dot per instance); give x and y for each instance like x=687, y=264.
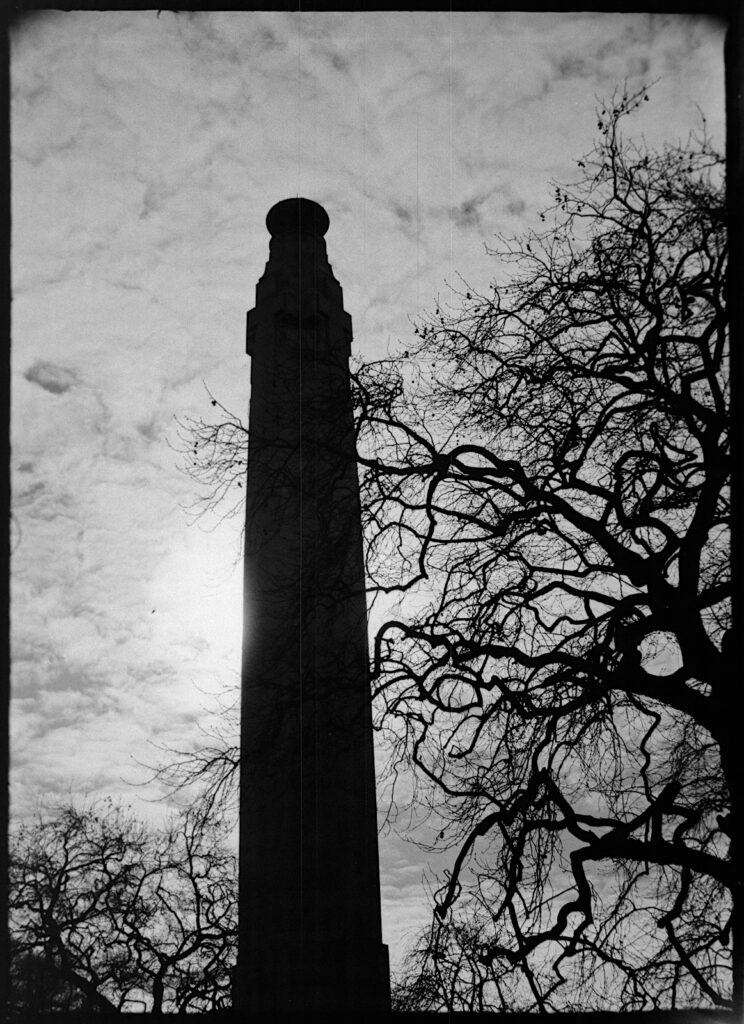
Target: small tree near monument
x=108, y=914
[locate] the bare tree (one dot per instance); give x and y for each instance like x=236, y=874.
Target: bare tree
x=544, y=482
x=207, y=772
x=545, y=477
x=37, y=986
x=443, y=971
x=117, y=916
x=214, y=454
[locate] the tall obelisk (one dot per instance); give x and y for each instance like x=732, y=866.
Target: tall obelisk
x=310, y=933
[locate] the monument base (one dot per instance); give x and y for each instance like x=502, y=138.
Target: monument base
x=351, y=978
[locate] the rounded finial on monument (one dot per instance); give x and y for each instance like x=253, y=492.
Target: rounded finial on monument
x=297, y=217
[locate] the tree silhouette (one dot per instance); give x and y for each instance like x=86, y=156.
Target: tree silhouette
x=546, y=479
x=544, y=484
x=107, y=914
x=37, y=986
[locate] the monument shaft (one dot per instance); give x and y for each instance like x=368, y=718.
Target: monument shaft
x=310, y=933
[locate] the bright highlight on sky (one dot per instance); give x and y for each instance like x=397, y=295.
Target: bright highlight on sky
x=146, y=151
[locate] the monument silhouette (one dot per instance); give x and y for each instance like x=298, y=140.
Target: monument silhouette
x=310, y=931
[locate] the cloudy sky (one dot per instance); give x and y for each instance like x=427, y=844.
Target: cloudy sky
x=146, y=151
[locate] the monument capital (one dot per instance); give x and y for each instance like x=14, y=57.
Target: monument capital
x=297, y=217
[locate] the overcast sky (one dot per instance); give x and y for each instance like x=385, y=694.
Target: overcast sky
x=146, y=152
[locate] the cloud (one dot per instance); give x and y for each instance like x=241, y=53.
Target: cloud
x=402, y=213
x=27, y=495
x=468, y=212
x=150, y=429
x=516, y=206
x=53, y=378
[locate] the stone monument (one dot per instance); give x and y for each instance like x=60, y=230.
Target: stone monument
x=310, y=932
